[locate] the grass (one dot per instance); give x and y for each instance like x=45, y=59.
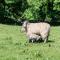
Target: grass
x=14, y=45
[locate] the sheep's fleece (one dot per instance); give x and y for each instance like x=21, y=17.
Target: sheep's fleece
x=41, y=29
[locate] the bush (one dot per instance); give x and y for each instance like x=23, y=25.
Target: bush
x=45, y=10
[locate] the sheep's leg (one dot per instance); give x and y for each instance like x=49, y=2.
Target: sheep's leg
x=44, y=37
x=45, y=40
x=32, y=40
x=39, y=37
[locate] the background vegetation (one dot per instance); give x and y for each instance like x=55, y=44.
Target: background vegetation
x=12, y=11
x=14, y=44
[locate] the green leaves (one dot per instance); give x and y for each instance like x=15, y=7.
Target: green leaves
x=56, y=5
x=30, y=9
x=30, y=14
x=11, y=1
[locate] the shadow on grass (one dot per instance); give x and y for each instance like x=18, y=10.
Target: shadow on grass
x=41, y=41
x=51, y=41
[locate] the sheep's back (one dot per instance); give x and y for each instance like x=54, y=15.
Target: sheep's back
x=38, y=27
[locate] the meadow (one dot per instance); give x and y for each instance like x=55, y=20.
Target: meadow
x=14, y=45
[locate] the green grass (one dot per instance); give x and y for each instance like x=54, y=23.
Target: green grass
x=14, y=45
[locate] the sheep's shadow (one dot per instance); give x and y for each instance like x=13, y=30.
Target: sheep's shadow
x=41, y=41
x=51, y=41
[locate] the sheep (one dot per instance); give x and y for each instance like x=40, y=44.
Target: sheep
x=33, y=37
x=42, y=29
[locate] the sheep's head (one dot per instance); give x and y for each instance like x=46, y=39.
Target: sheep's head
x=24, y=26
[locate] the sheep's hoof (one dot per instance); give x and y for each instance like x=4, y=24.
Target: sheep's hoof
x=32, y=41
x=45, y=41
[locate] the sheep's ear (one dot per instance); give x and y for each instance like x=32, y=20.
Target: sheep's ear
x=27, y=22
x=22, y=21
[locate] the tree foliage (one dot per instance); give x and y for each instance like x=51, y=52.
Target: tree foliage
x=45, y=10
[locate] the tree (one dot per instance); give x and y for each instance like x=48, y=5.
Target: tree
x=37, y=10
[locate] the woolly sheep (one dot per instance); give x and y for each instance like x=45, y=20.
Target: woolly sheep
x=42, y=29
x=34, y=37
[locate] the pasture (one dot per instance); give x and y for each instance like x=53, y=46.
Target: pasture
x=14, y=45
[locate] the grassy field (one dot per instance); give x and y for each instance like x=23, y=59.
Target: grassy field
x=15, y=46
